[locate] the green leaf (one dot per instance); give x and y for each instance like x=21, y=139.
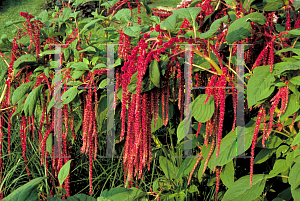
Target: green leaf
x=267, y=5
x=279, y=167
x=294, y=176
x=64, y=171
x=21, y=91
x=214, y=27
x=31, y=101
x=80, y=66
x=5, y=44
x=81, y=197
x=133, y=31
x=241, y=190
x=69, y=95
x=296, y=140
x=284, y=66
x=189, y=13
x=292, y=107
x=103, y=83
x=227, y=174
x=201, y=111
x=49, y=143
x=241, y=28
x=156, y=19
x=186, y=167
x=27, y=191
x=27, y=59
x=88, y=49
x=77, y=74
x=120, y=193
x=263, y=155
x=282, y=149
x=169, y=23
x=168, y=168
x=133, y=81
x=259, y=82
x=229, y=148
x=183, y=129
x=154, y=73
x=289, y=49
x=89, y=24
x=74, y=83
x=123, y=15
x=66, y=13
x=272, y=142
x=295, y=80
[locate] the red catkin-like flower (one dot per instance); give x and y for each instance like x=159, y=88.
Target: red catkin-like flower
x=218, y=171
x=221, y=94
x=254, y=139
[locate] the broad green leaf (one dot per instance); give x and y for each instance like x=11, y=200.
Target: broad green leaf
x=133, y=81
x=229, y=148
x=91, y=23
x=289, y=49
x=267, y=5
x=66, y=13
x=120, y=193
x=263, y=155
x=296, y=140
x=296, y=193
x=186, y=167
x=227, y=174
x=168, y=168
x=189, y=13
x=80, y=66
x=5, y=44
x=74, y=83
x=21, y=91
x=154, y=73
x=201, y=111
x=259, y=82
x=123, y=15
x=284, y=66
x=51, y=103
x=272, y=142
x=43, y=16
x=156, y=19
x=292, y=107
x=241, y=189
x=49, y=143
x=169, y=23
x=295, y=80
x=31, y=101
x=282, y=149
x=77, y=74
x=214, y=27
x=69, y=95
x=26, y=59
x=241, y=28
x=88, y=49
x=27, y=191
x=64, y=171
x=294, y=176
x=279, y=167
x=285, y=194
x=81, y=197
x=183, y=129
x=103, y=83
x=133, y=31
x=289, y=158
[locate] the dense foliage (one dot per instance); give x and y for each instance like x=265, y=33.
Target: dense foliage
x=154, y=103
